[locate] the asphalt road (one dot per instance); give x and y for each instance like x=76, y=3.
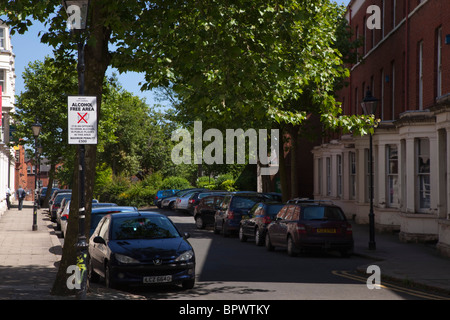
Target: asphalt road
x=228, y=269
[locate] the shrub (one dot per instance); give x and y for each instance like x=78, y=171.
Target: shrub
x=228, y=185
x=174, y=183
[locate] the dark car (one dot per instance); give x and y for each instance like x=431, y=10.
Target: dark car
x=162, y=194
x=255, y=223
x=43, y=193
x=53, y=196
x=141, y=248
x=206, y=209
x=196, y=197
x=310, y=225
x=97, y=213
x=228, y=216
x=56, y=203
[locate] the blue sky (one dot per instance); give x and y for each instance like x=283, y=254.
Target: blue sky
x=28, y=48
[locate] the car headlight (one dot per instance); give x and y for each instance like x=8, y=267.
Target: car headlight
x=185, y=256
x=125, y=259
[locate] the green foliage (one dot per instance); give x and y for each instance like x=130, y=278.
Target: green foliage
x=228, y=185
x=175, y=183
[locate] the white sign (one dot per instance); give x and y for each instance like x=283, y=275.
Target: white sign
x=82, y=120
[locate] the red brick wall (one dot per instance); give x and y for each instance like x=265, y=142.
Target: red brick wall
x=399, y=48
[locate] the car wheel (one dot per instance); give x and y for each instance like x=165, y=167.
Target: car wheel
x=216, y=231
x=242, y=236
x=108, y=277
x=92, y=275
x=259, y=237
x=172, y=205
x=199, y=222
x=269, y=245
x=225, y=232
x=188, y=284
x=291, y=250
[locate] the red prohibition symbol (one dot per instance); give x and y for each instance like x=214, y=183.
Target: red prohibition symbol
x=82, y=117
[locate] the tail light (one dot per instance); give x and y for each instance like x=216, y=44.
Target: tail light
x=191, y=201
x=230, y=215
x=64, y=216
x=349, y=230
x=301, y=228
x=267, y=219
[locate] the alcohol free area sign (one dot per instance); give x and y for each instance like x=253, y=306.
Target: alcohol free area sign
x=82, y=119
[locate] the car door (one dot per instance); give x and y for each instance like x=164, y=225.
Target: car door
x=249, y=221
x=283, y=226
x=99, y=250
x=275, y=227
x=221, y=212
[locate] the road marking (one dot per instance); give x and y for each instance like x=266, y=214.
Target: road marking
x=390, y=286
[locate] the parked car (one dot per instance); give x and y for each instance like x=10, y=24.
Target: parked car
x=162, y=194
x=169, y=202
x=43, y=193
x=53, y=196
x=64, y=216
x=196, y=197
x=103, y=204
x=60, y=210
x=310, y=225
x=206, y=209
x=56, y=204
x=233, y=207
x=274, y=196
x=141, y=248
x=182, y=201
x=255, y=223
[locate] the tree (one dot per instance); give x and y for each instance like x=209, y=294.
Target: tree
x=45, y=100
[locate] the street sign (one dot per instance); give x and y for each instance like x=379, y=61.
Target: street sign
x=82, y=119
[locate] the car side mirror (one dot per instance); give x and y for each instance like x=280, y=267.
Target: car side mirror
x=99, y=239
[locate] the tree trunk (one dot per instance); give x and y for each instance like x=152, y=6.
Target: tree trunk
x=282, y=167
x=96, y=62
x=293, y=160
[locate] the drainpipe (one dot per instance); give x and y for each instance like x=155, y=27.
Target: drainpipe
x=406, y=55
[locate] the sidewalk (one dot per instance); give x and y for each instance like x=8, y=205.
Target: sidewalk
x=28, y=259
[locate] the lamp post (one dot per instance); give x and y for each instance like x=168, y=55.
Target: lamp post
x=40, y=150
x=36, y=127
x=369, y=105
x=77, y=11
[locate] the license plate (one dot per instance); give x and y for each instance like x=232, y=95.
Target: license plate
x=326, y=230
x=157, y=279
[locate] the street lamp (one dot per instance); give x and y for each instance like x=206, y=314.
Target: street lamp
x=369, y=105
x=77, y=10
x=36, y=128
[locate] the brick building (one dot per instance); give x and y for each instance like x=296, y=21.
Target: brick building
x=406, y=65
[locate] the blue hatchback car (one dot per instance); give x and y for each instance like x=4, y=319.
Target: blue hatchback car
x=140, y=248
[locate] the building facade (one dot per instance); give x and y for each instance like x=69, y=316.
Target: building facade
x=7, y=91
x=406, y=65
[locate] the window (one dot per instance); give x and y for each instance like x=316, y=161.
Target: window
x=2, y=38
x=3, y=80
x=423, y=172
x=328, y=168
x=320, y=175
x=339, y=175
x=439, y=62
x=352, y=161
x=420, y=75
x=367, y=177
x=392, y=175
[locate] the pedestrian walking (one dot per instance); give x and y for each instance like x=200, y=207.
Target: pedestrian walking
x=21, y=194
x=8, y=194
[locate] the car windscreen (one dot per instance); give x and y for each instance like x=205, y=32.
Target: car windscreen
x=273, y=210
x=322, y=213
x=143, y=228
x=244, y=202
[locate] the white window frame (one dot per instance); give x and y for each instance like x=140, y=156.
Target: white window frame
x=392, y=176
